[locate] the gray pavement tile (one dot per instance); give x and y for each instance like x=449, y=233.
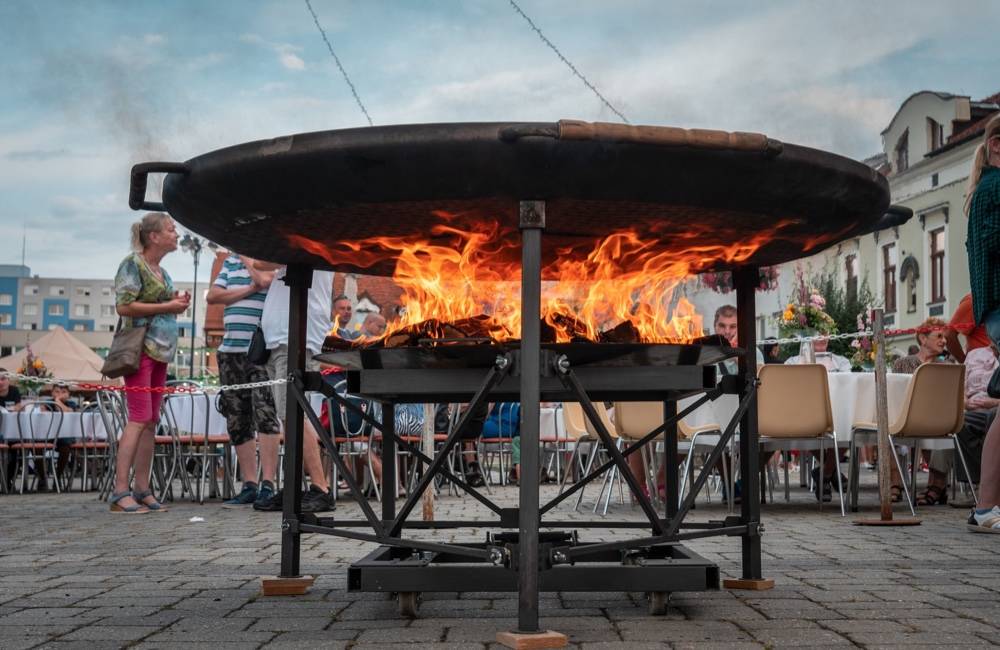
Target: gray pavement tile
x=278, y=624
x=398, y=635
x=101, y=632
x=799, y=637
x=917, y=638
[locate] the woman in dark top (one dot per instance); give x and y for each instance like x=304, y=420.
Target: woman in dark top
x=983, y=209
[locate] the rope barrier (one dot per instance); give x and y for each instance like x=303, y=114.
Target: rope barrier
x=864, y=334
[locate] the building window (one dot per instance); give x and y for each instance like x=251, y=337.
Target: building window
x=79, y=327
x=108, y=311
x=181, y=332
x=81, y=310
x=56, y=290
x=935, y=134
x=6, y=319
x=34, y=326
x=111, y=328
x=83, y=291
x=56, y=310
x=30, y=309
x=31, y=289
x=903, y=152
x=6, y=299
x=937, y=265
x=851, y=286
x=934, y=179
x=889, y=277
x=105, y=291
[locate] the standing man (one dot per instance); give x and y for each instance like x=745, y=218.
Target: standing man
x=242, y=289
x=274, y=323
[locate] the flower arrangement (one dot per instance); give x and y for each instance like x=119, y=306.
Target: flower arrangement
x=722, y=281
x=805, y=311
x=864, y=346
x=33, y=366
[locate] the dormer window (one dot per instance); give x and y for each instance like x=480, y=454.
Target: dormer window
x=903, y=152
x=935, y=135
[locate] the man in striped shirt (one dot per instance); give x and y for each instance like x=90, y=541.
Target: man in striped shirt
x=242, y=289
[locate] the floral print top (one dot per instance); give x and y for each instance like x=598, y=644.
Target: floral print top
x=135, y=282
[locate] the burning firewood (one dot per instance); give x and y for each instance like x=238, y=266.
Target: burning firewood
x=624, y=332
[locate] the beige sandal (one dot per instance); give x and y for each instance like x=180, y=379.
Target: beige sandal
x=117, y=508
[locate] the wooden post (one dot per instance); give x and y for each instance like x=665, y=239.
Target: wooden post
x=885, y=450
x=427, y=446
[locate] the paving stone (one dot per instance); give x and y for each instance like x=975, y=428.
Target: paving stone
x=110, y=632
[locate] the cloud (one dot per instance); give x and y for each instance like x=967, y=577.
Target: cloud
x=154, y=39
x=285, y=52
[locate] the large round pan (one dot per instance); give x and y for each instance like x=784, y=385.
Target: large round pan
x=675, y=187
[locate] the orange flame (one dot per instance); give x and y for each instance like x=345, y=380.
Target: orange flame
x=624, y=277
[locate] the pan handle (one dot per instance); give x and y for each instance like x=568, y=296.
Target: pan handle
x=137, y=186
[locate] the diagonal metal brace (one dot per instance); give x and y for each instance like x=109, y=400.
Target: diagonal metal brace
x=631, y=449
x=500, y=370
x=569, y=379
x=417, y=453
x=713, y=458
x=295, y=388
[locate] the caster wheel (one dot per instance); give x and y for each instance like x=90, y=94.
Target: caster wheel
x=658, y=601
x=409, y=603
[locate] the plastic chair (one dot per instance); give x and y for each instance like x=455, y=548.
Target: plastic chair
x=934, y=410
x=196, y=451
x=794, y=412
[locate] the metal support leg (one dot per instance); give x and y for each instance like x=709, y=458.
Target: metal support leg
x=388, y=462
x=746, y=280
x=298, y=278
x=532, y=222
x=671, y=469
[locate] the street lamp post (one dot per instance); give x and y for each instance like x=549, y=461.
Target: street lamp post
x=193, y=244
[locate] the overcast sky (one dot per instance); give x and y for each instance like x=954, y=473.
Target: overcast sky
x=89, y=88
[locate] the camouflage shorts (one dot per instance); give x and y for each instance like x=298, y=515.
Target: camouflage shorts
x=248, y=410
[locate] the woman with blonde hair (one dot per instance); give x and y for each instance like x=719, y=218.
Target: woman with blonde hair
x=145, y=296
x=982, y=206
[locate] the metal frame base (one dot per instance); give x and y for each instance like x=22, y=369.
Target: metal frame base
x=659, y=568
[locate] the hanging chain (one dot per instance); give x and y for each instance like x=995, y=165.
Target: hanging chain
x=336, y=60
x=562, y=58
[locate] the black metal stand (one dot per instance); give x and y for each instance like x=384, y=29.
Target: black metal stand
x=525, y=559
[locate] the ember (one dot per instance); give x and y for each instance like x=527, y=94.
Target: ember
x=461, y=283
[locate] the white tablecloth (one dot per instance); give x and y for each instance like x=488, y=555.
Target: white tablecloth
x=188, y=412
x=39, y=425
x=852, y=399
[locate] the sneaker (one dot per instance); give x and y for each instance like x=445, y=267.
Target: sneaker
x=246, y=496
x=316, y=500
x=267, y=499
x=822, y=489
x=987, y=522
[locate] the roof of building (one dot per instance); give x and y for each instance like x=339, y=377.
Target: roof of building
x=939, y=94
x=965, y=130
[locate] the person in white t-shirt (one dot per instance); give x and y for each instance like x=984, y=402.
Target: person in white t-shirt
x=274, y=324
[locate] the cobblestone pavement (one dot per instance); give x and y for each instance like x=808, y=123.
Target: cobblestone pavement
x=73, y=575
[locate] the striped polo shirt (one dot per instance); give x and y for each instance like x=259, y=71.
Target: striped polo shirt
x=243, y=316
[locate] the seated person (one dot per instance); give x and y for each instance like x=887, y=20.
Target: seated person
x=930, y=349
x=931, y=343
x=980, y=409
x=832, y=362
x=64, y=402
